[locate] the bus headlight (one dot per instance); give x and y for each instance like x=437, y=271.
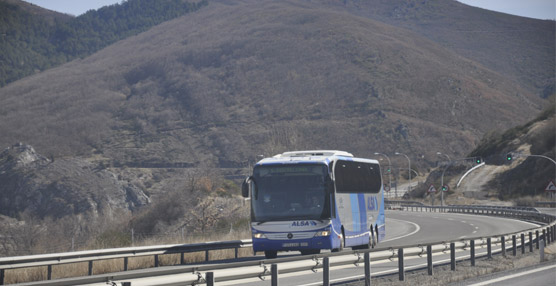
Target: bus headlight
x=323, y=233
x=258, y=235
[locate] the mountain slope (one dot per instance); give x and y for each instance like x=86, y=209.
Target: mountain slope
x=34, y=39
x=520, y=48
x=259, y=77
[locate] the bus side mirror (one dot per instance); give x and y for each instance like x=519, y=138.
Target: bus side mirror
x=245, y=187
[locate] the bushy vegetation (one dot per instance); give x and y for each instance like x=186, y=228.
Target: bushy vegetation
x=31, y=43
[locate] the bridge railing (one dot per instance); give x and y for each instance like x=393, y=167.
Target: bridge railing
x=260, y=268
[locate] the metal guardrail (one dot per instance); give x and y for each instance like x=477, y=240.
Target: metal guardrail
x=90, y=256
x=229, y=271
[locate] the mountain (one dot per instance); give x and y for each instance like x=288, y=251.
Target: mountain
x=517, y=47
x=35, y=39
x=242, y=78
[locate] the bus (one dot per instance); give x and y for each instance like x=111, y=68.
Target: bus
x=308, y=201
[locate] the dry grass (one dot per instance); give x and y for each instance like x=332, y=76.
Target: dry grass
x=116, y=265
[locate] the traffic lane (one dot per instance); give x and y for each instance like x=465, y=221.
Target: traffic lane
x=538, y=275
x=435, y=227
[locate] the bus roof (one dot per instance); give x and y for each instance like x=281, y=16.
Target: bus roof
x=311, y=156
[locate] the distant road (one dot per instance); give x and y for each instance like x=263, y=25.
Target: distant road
x=551, y=211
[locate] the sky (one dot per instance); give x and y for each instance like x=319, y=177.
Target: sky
x=540, y=9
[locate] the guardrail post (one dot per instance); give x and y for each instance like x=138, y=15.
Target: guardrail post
x=209, y=277
x=548, y=236
x=125, y=263
x=90, y=268
x=489, y=248
x=206, y=255
x=2, y=276
x=503, y=245
x=523, y=243
x=429, y=259
x=49, y=272
x=514, y=243
x=401, y=269
x=367, y=269
x=236, y=252
x=537, y=236
x=274, y=270
x=182, y=258
x=326, y=271
x=542, y=250
x=544, y=236
x=453, y=256
x=156, y=260
x=530, y=241
x=472, y=252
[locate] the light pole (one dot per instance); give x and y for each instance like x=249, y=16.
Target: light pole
x=389, y=170
x=442, y=178
x=408, y=170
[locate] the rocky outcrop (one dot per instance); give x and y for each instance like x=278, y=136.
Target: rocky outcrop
x=58, y=187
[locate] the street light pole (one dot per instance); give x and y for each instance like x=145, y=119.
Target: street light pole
x=389, y=171
x=408, y=170
x=442, y=178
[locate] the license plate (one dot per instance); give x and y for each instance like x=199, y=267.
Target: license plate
x=295, y=244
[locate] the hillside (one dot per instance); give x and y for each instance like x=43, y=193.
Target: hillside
x=517, y=47
x=34, y=39
x=522, y=179
x=44, y=187
x=241, y=78
x=525, y=175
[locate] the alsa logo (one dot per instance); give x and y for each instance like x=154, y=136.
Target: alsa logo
x=304, y=223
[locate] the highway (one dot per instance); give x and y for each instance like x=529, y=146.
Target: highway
x=403, y=228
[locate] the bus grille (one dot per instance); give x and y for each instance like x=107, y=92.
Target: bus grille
x=284, y=235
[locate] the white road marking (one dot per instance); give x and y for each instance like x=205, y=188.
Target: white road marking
x=417, y=228
x=513, y=276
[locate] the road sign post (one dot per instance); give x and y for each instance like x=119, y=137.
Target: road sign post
x=432, y=191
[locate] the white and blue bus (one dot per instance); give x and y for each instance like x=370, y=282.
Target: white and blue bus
x=312, y=200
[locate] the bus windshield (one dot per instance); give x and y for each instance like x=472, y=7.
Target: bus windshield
x=290, y=192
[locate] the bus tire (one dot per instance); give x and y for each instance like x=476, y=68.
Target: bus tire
x=342, y=242
x=270, y=254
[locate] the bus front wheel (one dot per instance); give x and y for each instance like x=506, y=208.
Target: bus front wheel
x=270, y=254
x=342, y=243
